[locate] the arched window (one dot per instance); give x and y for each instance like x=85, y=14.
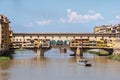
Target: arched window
x=59, y=36
x=45, y=37
x=30, y=36
x=23, y=36
x=66, y=36
x=74, y=37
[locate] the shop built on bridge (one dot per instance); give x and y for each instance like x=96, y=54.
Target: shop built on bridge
x=77, y=42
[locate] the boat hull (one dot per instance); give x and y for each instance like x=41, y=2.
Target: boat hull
x=83, y=62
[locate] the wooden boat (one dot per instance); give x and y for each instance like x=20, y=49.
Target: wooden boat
x=83, y=62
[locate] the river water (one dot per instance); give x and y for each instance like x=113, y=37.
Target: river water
x=25, y=65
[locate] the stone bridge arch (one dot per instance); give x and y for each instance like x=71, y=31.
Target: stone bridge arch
x=109, y=50
x=63, y=49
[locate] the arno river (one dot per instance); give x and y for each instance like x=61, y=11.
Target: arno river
x=25, y=65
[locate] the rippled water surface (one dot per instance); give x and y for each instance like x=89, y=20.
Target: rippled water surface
x=25, y=65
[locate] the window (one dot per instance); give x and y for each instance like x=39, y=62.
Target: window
x=45, y=37
x=52, y=36
x=2, y=32
x=2, y=41
x=109, y=36
x=2, y=24
x=2, y=36
x=66, y=36
x=73, y=36
x=59, y=36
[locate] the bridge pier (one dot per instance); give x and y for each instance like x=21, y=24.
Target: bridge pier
x=63, y=50
x=40, y=52
x=116, y=51
x=79, y=52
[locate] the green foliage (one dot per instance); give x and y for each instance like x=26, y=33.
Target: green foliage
x=98, y=53
x=19, y=49
x=93, y=52
x=3, y=58
x=115, y=57
x=16, y=50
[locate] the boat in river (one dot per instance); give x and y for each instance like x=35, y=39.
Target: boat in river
x=83, y=62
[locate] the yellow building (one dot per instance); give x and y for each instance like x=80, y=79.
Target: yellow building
x=103, y=29
x=5, y=34
x=107, y=29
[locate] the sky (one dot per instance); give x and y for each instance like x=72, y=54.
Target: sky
x=72, y=16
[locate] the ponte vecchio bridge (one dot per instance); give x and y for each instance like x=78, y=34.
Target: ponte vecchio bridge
x=77, y=42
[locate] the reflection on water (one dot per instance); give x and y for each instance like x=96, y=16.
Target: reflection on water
x=57, y=66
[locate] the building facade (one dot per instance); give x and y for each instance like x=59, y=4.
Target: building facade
x=107, y=29
x=31, y=39
x=111, y=29
x=5, y=34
